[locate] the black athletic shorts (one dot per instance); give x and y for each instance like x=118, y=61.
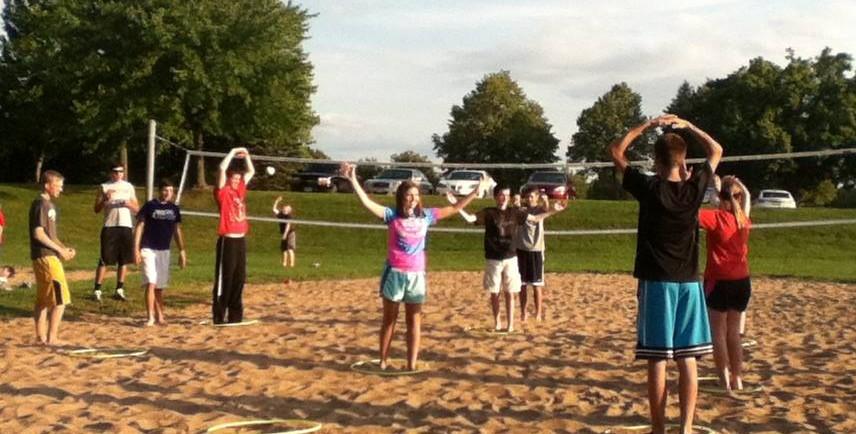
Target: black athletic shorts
x=729, y=295
x=289, y=243
x=531, y=267
x=117, y=246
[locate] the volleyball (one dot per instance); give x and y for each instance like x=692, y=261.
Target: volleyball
x=270, y=170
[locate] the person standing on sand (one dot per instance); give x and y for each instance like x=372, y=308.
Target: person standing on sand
x=46, y=250
x=231, y=260
x=158, y=222
x=672, y=322
x=118, y=200
x=726, y=277
x=403, y=279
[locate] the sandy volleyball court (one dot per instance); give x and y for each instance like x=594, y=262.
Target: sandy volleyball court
x=574, y=373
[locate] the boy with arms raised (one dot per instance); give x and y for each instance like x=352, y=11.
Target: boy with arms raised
x=672, y=322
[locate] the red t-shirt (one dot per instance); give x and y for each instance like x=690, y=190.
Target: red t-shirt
x=2, y=219
x=727, y=245
x=233, y=209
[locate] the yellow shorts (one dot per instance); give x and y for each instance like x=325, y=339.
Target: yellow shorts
x=51, y=287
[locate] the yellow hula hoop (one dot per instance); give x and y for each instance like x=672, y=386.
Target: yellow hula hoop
x=487, y=331
x=110, y=353
x=372, y=367
x=308, y=425
x=696, y=428
x=749, y=343
x=746, y=390
x=231, y=324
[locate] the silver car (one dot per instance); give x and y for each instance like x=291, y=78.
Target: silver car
x=775, y=199
x=389, y=180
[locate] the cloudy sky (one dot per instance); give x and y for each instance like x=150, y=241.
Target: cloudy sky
x=388, y=72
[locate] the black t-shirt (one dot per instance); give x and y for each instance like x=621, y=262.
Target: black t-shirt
x=500, y=227
x=284, y=216
x=43, y=214
x=667, y=233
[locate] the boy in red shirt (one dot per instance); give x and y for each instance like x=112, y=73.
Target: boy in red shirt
x=726, y=277
x=231, y=263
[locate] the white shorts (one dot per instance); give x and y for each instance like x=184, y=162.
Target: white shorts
x=155, y=267
x=502, y=275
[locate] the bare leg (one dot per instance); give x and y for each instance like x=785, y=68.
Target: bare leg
x=159, y=306
x=413, y=314
x=735, y=349
x=291, y=258
x=100, y=271
x=743, y=322
x=718, y=326
x=523, y=301
x=494, y=305
x=285, y=258
x=56, y=318
x=539, y=303
x=657, y=395
x=150, y=304
x=121, y=272
x=387, y=329
x=509, y=310
x=687, y=391
x=40, y=317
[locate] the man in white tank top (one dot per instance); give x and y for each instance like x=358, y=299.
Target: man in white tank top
x=118, y=201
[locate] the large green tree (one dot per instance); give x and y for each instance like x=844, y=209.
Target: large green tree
x=607, y=120
x=497, y=123
x=808, y=104
x=210, y=71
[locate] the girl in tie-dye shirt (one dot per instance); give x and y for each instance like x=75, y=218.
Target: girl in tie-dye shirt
x=403, y=279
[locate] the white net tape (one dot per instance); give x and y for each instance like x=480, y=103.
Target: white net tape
x=566, y=166
x=481, y=231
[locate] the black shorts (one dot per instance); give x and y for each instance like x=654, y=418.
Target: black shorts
x=729, y=295
x=531, y=266
x=117, y=246
x=289, y=243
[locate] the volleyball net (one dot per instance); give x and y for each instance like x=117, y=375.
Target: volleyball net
x=263, y=162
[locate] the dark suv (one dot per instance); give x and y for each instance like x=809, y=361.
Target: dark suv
x=556, y=185
x=321, y=177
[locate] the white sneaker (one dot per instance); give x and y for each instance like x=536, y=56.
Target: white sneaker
x=97, y=295
x=120, y=295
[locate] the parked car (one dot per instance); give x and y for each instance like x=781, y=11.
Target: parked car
x=321, y=177
x=775, y=199
x=556, y=185
x=387, y=181
x=462, y=182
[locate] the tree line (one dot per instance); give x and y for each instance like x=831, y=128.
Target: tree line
x=80, y=78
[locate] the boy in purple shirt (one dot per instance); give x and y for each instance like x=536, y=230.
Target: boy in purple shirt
x=158, y=221
x=403, y=277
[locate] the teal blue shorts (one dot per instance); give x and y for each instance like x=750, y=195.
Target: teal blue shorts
x=672, y=321
x=403, y=286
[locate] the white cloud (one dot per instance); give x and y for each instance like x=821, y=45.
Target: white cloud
x=398, y=67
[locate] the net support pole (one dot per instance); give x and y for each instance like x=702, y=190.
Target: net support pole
x=150, y=164
x=183, y=178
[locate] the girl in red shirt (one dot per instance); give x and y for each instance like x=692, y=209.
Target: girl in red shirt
x=726, y=278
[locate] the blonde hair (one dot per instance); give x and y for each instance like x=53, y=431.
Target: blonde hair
x=732, y=187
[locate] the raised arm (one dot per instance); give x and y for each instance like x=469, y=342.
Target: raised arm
x=375, y=208
x=224, y=166
x=619, y=147
x=557, y=208
x=276, y=205
x=458, y=206
x=251, y=170
x=712, y=148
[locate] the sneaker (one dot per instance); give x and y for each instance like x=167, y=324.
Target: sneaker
x=96, y=294
x=119, y=295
